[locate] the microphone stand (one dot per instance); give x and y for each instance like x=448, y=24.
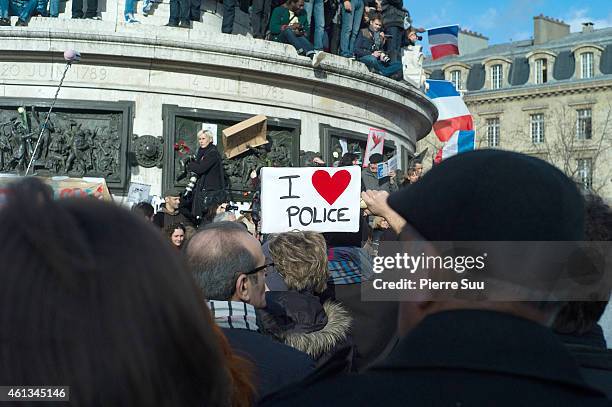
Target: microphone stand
x=43, y=127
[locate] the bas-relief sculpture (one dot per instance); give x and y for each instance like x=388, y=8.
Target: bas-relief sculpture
x=73, y=144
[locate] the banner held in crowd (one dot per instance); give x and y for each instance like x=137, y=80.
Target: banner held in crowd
x=310, y=199
x=63, y=187
x=375, y=144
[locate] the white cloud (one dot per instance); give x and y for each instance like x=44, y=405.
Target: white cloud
x=435, y=19
x=579, y=16
x=488, y=20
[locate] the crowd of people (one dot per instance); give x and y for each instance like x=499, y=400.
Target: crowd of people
x=145, y=308
x=373, y=31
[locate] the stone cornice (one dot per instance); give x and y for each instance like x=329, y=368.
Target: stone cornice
x=221, y=54
x=510, y=94
x=587, y=45
x=455, y=64
x=489, y=60
x=540, y=52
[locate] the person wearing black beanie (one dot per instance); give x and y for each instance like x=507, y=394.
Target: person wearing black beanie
x=466, y=350
x=493, y=195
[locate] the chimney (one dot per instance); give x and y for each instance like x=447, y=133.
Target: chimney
x=470, y=41
x=587, y=27
x=547, y=29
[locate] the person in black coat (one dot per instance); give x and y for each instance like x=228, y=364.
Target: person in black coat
x=458, y=351
x=209, y=189
x=576, y=324
x=393, y=14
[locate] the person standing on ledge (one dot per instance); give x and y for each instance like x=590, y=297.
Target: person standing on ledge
x=180, y=14
x=91, y=13
x=209, y=189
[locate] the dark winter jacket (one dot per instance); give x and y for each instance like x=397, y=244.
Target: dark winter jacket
x=209, y=167
x=370, y=182
x=299, y=320
x=365, y=43
x=594, y=359
x=164, y=218
x=460, y=358
x=280, y=18
x=277, y=365
x=393, y=13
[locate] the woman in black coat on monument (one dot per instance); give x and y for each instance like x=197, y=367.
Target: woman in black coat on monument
x=209, y=189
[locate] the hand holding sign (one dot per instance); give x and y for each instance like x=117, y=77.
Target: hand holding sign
x=314, y=199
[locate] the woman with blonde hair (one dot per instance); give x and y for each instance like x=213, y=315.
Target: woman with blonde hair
x=299, y=317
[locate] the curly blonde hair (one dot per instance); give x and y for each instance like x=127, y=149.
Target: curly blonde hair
x=301, y=259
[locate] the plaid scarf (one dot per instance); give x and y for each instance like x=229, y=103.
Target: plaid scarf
x=234, y=314
x=348, y=265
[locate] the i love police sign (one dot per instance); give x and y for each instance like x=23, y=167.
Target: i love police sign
x=314, y=199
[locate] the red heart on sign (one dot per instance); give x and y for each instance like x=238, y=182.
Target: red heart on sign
x=330, y=188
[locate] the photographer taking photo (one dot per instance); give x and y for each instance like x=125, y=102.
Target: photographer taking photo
x=289, y=25
x=369, y=50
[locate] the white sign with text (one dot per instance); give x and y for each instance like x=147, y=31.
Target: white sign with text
x=318, y=199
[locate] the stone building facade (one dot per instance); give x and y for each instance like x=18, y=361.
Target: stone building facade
x=141, y=90
x=550, y=96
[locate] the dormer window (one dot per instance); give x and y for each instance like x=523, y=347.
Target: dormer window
x=455, y=78
x=496, y=76
x=588, y=58
x=541, y=66
x=586, y=63
x=456, y=73
x=541, y=71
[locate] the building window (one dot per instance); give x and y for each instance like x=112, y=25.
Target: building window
x=537, y=128
x=583, y=124
x=455, y=77
x=587, y=65
x=585, y=172
x=493, y=132
x=496, y=77
x=541, y=71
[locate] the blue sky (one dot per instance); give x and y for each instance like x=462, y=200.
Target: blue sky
x=506, y=20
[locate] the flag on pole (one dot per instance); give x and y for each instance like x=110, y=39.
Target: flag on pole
x=443, y=41
x=455, y=125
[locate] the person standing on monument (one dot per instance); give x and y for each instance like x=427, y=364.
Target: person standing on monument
x=210, y=188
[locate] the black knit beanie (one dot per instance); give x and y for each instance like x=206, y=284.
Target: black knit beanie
x=493, y=195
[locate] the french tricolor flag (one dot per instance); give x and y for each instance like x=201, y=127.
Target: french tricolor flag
x=460, y=142
x=453, y=114
x=455, y=125
x=443, y=41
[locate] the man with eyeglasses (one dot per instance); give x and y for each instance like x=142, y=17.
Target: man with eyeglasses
x=229, y=266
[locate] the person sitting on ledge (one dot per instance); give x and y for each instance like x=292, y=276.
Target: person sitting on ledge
x=369, y=50
x=289, y=24
x=21, y=8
